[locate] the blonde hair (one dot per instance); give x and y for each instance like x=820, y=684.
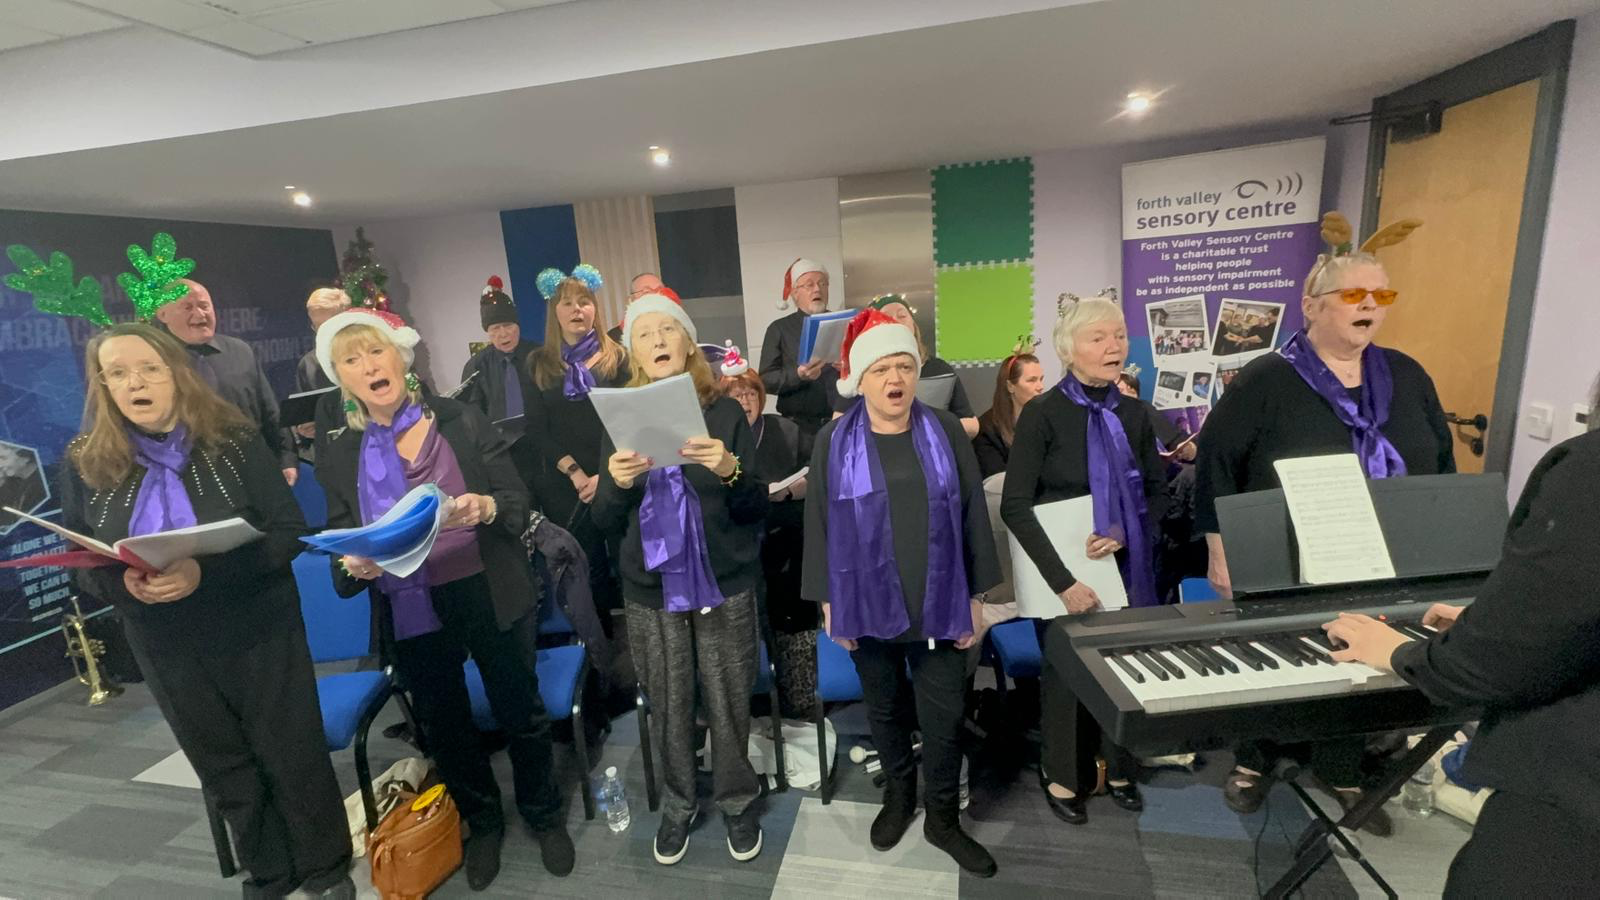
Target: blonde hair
x=545, y=365
x=1078, y=316
x=103, y=453
x=705, y=383
x=328, y=298
x=361, y=336
x=1329, y=269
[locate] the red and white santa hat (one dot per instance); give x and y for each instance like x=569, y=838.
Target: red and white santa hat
x=733, y=362
x=801, y=266
x=656, y=303
x=403, y=336
x=869, y=337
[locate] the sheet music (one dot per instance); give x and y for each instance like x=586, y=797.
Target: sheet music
x=1069, y=524
x=1334, y=520
x=654, y=420
x=778, y=487
x=937, y=390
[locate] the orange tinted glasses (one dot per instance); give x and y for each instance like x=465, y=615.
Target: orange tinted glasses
x=1353, y=296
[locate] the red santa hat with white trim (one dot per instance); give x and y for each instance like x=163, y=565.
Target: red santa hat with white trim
x=656, y=303
x=403, y=336
x=869, y=337
x=801, y=266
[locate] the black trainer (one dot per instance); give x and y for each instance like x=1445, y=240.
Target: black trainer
x=483, y=858
x=744, y=834
x=672, y=839
x=555, y=846
x=898, y=812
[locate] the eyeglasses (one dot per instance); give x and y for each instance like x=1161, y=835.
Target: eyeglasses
x=1353, y=296
x=149, y=373
x=665, y=331
x=742, y=396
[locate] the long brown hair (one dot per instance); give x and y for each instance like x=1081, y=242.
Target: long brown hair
x=1002, y=415
x=102, y=453
x=545, y=364
x=705, y=383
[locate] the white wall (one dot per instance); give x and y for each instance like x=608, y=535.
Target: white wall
x=1562, y=361
x=437, y=269
x=777, y=223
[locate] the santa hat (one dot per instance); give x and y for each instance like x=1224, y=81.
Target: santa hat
x=656, y=303
x=495, y=306
x=869, y=337
x=801, y=266
x=403, y=336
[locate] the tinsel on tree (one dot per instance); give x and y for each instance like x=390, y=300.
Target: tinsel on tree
x=363, y=276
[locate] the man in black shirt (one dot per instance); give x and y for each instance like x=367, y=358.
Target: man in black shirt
x=229, y=366
x=801, y=389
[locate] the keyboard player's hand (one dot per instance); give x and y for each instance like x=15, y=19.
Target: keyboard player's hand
x=1080, y=598
x=1441, y=616
x=1363, y=639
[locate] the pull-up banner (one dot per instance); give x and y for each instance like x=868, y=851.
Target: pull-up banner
x=1214, y=247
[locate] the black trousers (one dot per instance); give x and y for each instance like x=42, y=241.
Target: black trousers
x=1523, y=847
x=1070, y=738
x=933, y=697
x=1338, y=762
x=249, y=722
x=430, y=668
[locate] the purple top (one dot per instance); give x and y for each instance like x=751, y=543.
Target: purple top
x=455, y=551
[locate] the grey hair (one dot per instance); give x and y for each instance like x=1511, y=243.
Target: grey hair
x=1078, y=316
x=1328, y=268
x=328, y=298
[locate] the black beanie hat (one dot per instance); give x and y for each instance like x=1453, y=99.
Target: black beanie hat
x=495, y=306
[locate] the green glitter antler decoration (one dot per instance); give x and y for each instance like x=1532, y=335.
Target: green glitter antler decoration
x=51, y=285
x=153, y=288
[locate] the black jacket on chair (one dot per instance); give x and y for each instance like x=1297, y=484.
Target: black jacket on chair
x=484, y=456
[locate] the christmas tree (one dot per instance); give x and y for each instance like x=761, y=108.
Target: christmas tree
x=364, y=277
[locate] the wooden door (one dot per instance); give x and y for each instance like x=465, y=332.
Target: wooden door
x=1454, y=274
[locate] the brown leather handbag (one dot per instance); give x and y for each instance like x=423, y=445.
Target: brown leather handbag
x=416, y=846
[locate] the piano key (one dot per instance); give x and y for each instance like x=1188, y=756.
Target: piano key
x=1126, y=667
x=1243, y=650
x=1414, y=631
x=1226, y=661
x=1266, y=646
x=1292, y=643
x=1212, y=667
x=1171, y=665
x=1187, y=658
x=1320, y=638
x=1150, y=665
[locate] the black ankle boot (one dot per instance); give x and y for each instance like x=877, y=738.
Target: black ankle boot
x=899, y=809
x=482, y=854
x=942, y=828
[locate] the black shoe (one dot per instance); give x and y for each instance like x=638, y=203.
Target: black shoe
x=899, y=811
x=1244, y=792
x=555, y=845
x=343, y=890
x=483, y=857
x=942, y=829
x=744, y=834
x=1127, y=796
x=1378, y=824
x=1071, y=810
x=672, y=839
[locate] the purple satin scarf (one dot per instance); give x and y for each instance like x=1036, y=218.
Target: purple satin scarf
x=579, y=380
x=1117, y=486
x=864, y=588
x=380, y=483
x=674, y=540
x=1366, y=419
x=162, y=504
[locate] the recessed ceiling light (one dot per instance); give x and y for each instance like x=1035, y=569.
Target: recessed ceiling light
x=301, y=198
x=288, y=187
x=660, y=156
x=1138, y=103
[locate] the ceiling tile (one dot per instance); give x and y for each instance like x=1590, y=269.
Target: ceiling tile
x=172, y=15
x=348, y=19
x=246, y=38
x=57, y=17
x=14, y=36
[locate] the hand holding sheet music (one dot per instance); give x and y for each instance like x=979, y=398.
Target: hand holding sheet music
x=822, y=336
x=655, y=420
x=1069, y=524
x=1334, y=519
x=399, y=540
x=152, y=553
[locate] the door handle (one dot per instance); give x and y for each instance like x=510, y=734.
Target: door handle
x=1479, y=423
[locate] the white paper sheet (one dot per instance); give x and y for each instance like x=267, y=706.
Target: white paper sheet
x=937, y=390
x=654, y=420
x=164, y=549
x=1069, y=524
x=1334, y=520
x=830, y=340
x=778, y=487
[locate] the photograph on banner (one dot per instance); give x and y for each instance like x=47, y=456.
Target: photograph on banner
x=22, y=482
x=1179, y=332
x=1170, y=385
x=1246, y=326
x=1228, y=368
x=1183, y=388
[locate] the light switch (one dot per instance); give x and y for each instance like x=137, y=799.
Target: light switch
x=1539, y=421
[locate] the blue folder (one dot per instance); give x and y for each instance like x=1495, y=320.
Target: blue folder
x=808, y=330
x=381, y=540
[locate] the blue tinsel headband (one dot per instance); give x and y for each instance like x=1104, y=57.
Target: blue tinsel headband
x=551, y=278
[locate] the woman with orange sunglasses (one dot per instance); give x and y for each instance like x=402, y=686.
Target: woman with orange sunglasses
x=1328, y=389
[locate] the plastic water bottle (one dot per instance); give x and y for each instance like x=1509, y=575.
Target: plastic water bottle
x=614, y=800
x=1417, y=794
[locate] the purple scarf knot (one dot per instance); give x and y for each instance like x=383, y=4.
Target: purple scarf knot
x=579, y=381
x=1365, y=419
x=1117, y=486
x=864, y=588
x=163, y=503
x=380, y=483
x=674, y=540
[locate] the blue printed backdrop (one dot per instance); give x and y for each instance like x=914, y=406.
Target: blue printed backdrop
x=258, y=277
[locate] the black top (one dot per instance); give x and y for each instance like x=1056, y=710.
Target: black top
x=308, y=374
x=1270, y=413
x=615, y=332
x=484, y=457
x=487, y=391
x=243, y=594
x=731, y=516
x=907, y=487
x=990, y=446
x=562, y=427
x=780, y=356
x=230, y=367
x=781, y=450
x=1528, y=649
x=1050, y=462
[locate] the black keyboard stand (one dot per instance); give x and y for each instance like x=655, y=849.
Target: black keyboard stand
x=1313, y=849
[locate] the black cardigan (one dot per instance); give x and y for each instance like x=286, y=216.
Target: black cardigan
x=1050, y=462
x=992, y=449
x=1528, y=649
x=485, y=460
x=731, y=516
x=244, y=594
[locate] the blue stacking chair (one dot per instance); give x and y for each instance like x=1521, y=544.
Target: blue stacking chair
x=837, y=682
x=1014, y=651
x=1195, y=590
x=337, y=630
